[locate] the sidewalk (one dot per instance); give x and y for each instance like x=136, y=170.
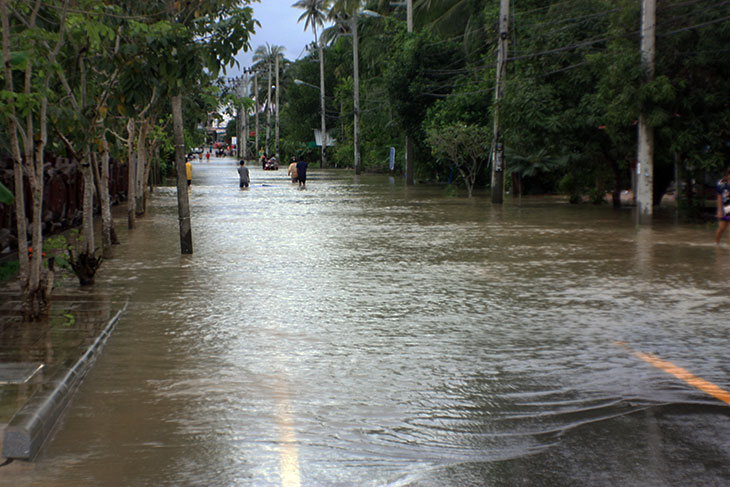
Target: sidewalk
x=36, y=358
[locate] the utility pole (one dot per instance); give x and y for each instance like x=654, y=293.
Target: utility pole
x=276, y=108
x=497, y=142
x=322, y=104
x=645, y=150
x=356, y=92
x=409, y=143
x=239, y=116
x=409, y=15
x=243, y=142
x=256, y=107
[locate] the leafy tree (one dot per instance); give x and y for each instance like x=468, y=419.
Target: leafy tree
x=31, y=41
x=466, y=147
x=418, y=74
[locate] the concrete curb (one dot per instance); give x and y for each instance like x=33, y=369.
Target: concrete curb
x=32, y=424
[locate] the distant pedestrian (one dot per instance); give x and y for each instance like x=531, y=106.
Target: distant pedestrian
x=263, y=160
x=302, y=173
x=293, y=170
x=243, y=176
x=207, y=156
x=723, y=204
x=189, y=172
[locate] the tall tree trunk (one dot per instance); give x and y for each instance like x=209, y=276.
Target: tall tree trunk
x=356, y=96
x=103, y=191
x=34, y=169
x=86, y=263
x=276, y=119
x=256, y=112
x=37, y=304
x=21, y=223
x=183, y=204
x=141, y=171
x=87, y=226
x=130, y=176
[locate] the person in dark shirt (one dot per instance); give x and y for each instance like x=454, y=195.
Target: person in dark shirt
x=302, y=173
x=243, y=176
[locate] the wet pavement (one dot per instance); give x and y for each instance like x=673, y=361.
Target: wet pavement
x=362, y=333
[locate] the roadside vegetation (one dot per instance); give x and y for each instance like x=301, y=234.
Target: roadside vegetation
x=573, y=93
x=91, y=80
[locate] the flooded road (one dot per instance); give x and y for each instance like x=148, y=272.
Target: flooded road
x=361, y=333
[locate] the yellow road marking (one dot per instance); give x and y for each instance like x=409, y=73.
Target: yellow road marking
x=682, y=374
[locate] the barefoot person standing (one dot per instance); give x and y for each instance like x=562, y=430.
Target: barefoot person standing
x=723, y=204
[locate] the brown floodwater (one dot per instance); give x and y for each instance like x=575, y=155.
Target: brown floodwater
x=364, y=333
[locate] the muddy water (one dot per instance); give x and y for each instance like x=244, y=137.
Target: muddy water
x=361, y=333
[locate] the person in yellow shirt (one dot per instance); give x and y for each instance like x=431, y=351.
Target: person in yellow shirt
x=189, y=172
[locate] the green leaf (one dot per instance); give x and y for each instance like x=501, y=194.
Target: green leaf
x=6, y=196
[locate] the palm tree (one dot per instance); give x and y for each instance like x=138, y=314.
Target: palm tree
x=267, y=55
x=314, y=14
x=453, y=18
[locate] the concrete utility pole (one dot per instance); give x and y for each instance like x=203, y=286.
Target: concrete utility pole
x=409, y=15
x=239, y=116
x=645, y=150
x=243, y=141
x=256, y=108
x=322, y=104
x=409, y=143
x=276, y=108
x=497, y=142
x=356, y=92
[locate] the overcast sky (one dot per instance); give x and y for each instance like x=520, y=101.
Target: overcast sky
x=279, y=27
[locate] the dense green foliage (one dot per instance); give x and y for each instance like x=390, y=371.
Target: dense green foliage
x=573, y=94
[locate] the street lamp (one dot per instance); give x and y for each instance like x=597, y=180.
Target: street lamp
x=304, y=83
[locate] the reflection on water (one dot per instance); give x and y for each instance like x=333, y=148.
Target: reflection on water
x=363, y=333
x=76, y=317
